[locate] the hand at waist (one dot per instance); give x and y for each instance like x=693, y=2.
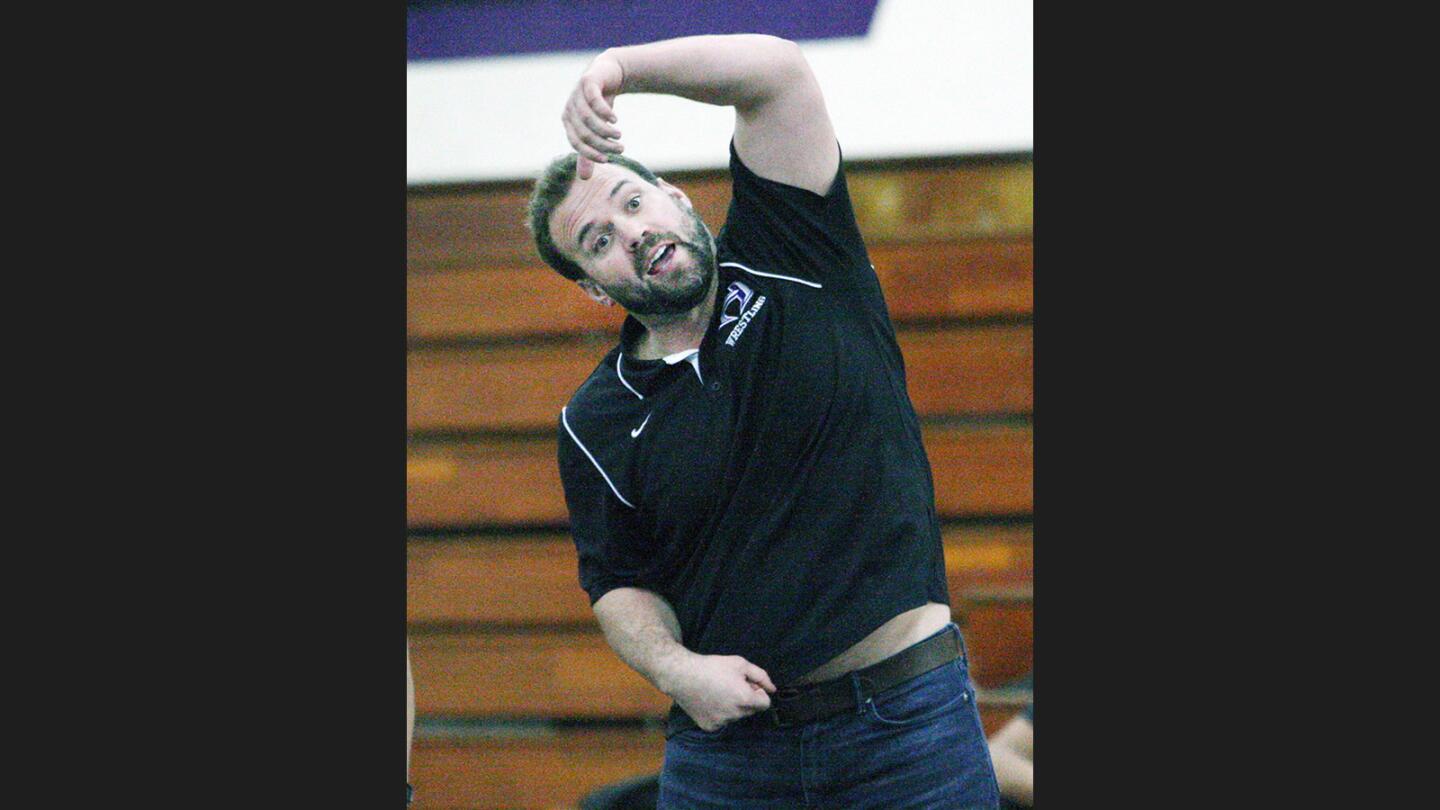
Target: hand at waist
x=718, y=689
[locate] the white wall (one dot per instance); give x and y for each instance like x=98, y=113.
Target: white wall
x=933, y=77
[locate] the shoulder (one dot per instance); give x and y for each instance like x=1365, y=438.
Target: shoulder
x=764, y=276
x=595, y=396
x=606, y=399
x=597, y=385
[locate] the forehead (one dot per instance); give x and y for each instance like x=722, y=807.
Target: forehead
x=585, y=200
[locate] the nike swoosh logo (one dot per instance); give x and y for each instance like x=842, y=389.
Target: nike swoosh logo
x=636, y=432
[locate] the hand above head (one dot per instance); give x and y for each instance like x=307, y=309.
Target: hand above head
x=718, y=689
x=589, y=116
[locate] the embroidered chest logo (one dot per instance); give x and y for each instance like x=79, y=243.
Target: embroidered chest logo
x=635, y=434
x=736, y=297
x=744, y=321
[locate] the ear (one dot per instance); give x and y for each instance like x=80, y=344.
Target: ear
x=593, y=290
x=674, y=192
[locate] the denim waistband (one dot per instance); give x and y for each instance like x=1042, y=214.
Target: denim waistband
x=678, y=720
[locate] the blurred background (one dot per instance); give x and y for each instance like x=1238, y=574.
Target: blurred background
x=520, y=703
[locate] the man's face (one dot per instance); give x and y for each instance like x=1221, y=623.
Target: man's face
x=641, y=245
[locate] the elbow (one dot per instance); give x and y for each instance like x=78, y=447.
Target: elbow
x=780, y=68
x=771, y=53
x=787, y=55
x=782, y=45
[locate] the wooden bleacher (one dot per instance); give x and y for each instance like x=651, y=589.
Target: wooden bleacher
x=955, y=370
x=454, y=482
x=520, y=703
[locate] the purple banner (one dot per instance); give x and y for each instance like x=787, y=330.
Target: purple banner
x=464, y=30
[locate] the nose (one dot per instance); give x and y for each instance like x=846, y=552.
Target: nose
x=633, y=234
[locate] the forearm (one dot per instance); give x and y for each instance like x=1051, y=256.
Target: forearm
x=741, y=70
x=782, y=129
x=713, y=689
x=409, y=712
x=642, y=629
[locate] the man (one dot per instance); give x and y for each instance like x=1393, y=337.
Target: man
x=748, y=493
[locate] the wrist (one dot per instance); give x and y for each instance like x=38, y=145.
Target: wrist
x=612, y=55
x=672, y=672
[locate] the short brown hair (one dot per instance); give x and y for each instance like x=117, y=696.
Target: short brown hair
x=550, y=189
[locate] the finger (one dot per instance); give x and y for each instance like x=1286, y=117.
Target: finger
x=597, y=123
x=599, y=134
x=575, y=142
x=585, y=150
x=598, y=141
x=579, y=136
x=758, y=701
x=599, y=127
x=584, y=167
x=598, y=102
x=757, y=675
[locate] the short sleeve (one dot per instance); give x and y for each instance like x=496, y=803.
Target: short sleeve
x=607, y=540
x=789, y=229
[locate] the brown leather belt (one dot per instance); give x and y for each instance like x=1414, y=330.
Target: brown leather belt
x=793, y=706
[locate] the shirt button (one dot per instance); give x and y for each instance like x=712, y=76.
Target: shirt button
x=715, y=386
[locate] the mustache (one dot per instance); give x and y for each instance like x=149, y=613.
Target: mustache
x=649, y=242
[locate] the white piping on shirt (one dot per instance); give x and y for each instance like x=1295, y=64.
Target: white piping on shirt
x=771, y=275
x=618, y=357
x=566, y=422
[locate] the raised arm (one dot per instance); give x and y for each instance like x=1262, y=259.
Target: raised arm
x=782, y=129
x=713, y=689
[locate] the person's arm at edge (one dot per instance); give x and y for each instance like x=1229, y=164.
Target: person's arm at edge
x=409, y=712
x=1011, y=753
x=782, y=128
x=642, y=629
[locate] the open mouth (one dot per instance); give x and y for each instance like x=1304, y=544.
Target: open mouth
x=661, y=259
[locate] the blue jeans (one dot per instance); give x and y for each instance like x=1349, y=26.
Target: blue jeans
x=915, y=745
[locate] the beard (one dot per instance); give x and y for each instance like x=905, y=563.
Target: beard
x=679, y=290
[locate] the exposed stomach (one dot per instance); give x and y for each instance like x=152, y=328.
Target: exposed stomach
x=906, y=629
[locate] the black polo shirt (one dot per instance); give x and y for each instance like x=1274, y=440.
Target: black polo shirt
x=772, y=486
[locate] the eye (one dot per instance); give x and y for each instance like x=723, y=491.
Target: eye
x=634, y=203
x=601, y=242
